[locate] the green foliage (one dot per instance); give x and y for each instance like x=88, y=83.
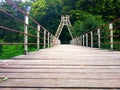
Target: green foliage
x=4, y=79
x=47, y=14
x=67, y=6
x=0, y=47
x=85, y=15
x=38, y=9
x=109, y=9
x=85, y=22
x=9, y=51
x=8, y=36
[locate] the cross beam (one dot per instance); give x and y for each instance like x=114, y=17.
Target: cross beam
x=65, y=20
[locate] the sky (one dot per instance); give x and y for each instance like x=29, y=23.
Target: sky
x=23, y=0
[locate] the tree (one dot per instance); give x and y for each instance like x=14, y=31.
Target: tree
x=38, y=9
x=109, y=9
x=84, y=22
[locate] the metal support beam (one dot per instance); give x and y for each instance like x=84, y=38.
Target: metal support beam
x=83, y=40
x=111, y=35
x=38, y=37
x=48, y=39
x=64, y=21
x=25, y=35
x=99, y=41
x=91, y=34
x=44, y=39
x=51, y=40
x=86, y=39
x=80, y=40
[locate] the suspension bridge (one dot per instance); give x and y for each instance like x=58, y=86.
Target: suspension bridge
x=76, y=66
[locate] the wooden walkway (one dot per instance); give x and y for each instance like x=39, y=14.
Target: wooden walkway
x=63, y=67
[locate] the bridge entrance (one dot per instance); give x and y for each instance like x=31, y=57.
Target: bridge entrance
x=64, y=25
x=65, y=36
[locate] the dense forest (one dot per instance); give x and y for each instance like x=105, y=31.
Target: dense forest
x=85, y=15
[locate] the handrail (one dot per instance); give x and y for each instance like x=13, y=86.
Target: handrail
x=19, y=20
x=101, y=37
x=45, y=36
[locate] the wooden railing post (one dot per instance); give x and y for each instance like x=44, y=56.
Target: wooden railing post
x=91, y=34
x=54, y=40
x=99, y=41
x=83, y=40
x=111, y=35
x=79, y=40
x=57, y=41
x=25, y=35
x=38, y=37
x=86, y=39
x=48, y=39
x=74, y=41
x=44, y=39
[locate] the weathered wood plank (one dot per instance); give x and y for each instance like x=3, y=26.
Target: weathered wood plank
x=58, y=89
x=57, y=70
x=93, y=62
x=29, y=66
x=84, y=75
x=69, y=63
x=60, y=83
x=63, y=67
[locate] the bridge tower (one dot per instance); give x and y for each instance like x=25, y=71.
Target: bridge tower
x=65, y=20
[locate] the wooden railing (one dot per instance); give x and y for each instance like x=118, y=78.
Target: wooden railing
x=43, y=37
x=101, y=37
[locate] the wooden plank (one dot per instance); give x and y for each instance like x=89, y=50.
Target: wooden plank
x=84, y=75
x=57, y=70
x=48, y=89
x=59, y=61
x=111, y=65
x=30, y=83
x=61, y=68
x=29, y=66
x=58, y=58
x=117, y=62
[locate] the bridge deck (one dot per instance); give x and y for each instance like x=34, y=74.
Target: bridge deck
x=61, y=68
